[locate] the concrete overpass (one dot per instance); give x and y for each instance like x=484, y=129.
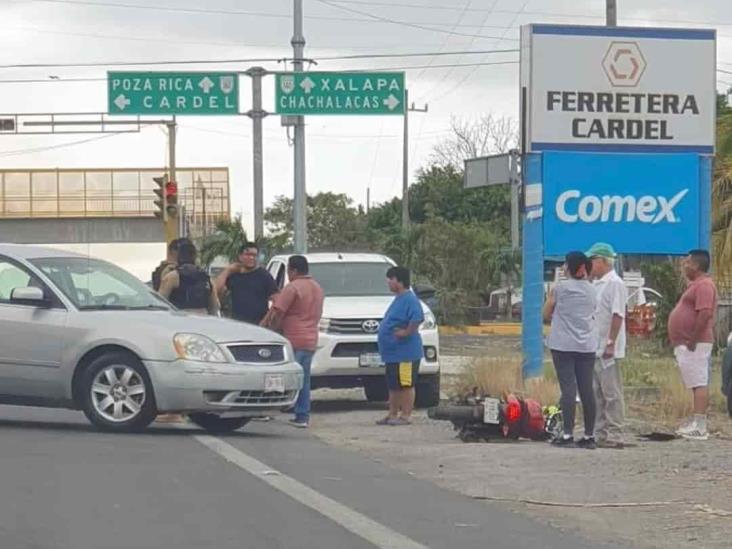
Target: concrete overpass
x=96, y=206
x=81, y=230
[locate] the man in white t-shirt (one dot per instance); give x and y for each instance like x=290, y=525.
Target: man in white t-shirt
x=612, y=297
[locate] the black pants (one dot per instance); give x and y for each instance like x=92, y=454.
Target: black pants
x=575, y=372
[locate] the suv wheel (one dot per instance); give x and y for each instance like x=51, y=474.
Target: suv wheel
x=428, y=391
x=217, y=424
x=375, y=389
x=117, y=393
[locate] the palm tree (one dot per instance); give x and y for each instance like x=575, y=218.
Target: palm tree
x=225, y=241
x=722, y=196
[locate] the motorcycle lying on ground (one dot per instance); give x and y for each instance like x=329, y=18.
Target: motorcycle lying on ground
x=485, y=418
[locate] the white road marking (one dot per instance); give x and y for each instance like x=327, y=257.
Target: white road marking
x=375, y=533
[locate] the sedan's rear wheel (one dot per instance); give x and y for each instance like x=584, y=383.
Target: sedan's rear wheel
x=117, y=393
x=217, y=424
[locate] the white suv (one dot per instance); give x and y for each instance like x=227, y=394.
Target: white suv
x=356, y=298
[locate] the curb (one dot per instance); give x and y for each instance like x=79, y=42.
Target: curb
x=496, y=328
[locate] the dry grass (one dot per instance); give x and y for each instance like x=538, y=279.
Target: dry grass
x=498, y=375
x=646, y=371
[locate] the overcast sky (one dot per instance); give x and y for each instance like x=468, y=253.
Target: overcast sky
x=344, y=154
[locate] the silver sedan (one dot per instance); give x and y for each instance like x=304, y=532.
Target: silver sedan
x=82, y=333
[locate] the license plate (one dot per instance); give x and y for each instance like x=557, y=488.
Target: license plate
x=370, y=360
x=274, y=384
x=490, y=410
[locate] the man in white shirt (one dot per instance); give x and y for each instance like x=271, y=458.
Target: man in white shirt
x=612, y=297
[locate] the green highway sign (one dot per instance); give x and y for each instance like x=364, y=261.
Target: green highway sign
x=197, y=93
x=305, y=93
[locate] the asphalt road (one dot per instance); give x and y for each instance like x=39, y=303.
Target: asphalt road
x=66, y=486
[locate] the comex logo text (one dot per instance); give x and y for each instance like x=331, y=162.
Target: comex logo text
x=572, y=207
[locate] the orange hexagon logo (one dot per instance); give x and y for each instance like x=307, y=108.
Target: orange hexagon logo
x=624, y=64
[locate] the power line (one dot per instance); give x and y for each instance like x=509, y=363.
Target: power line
x=417, y=54
x=138, y=63
x=18, y=152
x=405, y=5
x=216, y=11
x=411, y=25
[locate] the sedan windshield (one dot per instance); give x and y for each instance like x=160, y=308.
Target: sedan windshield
x=92, y=284
x=345, y=279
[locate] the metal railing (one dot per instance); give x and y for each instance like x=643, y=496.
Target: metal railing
x=203, y=192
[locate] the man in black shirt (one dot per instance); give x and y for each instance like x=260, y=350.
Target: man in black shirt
x=251, y=286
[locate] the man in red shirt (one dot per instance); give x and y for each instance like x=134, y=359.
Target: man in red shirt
x=691, y=332
x=296, y=313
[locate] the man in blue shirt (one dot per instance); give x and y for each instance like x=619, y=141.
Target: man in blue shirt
x=400, y=346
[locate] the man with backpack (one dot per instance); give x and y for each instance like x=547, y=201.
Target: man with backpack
x=169, y=263
x=189, y=287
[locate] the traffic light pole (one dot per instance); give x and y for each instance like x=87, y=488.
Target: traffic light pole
x=171, y=221
x=257, y=114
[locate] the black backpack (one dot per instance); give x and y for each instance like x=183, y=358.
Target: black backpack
x=194, y=289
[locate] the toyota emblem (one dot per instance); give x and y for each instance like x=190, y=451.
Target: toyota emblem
x=264, y=353
x=370, y=326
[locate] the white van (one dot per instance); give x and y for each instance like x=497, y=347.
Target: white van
x=356, y=298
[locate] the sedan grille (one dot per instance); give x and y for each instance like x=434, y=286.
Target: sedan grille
x=354, y=326
x=251, y=398
x=258, y=354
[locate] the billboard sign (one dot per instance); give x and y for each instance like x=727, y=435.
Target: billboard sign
x=647, y=203
x=619, y=89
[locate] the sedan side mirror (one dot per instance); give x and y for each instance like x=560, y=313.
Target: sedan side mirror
x=30, y=295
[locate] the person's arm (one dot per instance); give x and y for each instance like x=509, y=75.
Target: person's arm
x=169, y=283
x=618, y=304
x=549, y=306
x=703, y=318
x=214, y=307
x=704, y=305
x=220, y=282
x=415, y=319
x=282, y=304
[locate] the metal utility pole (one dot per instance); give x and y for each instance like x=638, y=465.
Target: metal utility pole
x=300, y=196
x=172, y=229
x=515, y=185
x=611, y=13
x=405, y=157
x=257, y=114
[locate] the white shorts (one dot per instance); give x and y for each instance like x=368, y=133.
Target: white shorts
x=694, y=365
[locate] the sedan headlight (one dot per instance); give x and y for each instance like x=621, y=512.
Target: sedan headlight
x=429, y=322
x=197, y=347
x=324, y=324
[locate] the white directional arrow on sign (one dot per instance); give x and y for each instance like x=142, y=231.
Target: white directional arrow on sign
x=121, y=101
x=206, y=84
x=391, y=102
x=307, y=85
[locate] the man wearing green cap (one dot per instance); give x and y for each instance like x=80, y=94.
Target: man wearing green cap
x=612, y=297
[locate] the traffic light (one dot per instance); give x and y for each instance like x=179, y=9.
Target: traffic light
x=160, y=191
x=171, y=198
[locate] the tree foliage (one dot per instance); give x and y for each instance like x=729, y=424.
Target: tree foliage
x=485, y=135
x=225, y=241
x=333, y=222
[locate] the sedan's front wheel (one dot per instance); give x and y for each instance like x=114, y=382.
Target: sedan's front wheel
x=217, y=424
x=118, y=394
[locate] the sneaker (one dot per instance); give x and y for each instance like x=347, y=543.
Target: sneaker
x=693, y=432
x=587, y=443
x=299, y=423
x=386, y=421
x=401, y=421
x=565, y=442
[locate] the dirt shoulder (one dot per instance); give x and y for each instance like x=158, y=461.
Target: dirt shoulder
x=692, y=480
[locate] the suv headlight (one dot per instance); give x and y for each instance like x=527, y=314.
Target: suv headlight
x=197, y=347
x=429, y=322
x=324, y=324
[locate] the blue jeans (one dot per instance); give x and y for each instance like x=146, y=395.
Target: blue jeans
x=302, y=405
